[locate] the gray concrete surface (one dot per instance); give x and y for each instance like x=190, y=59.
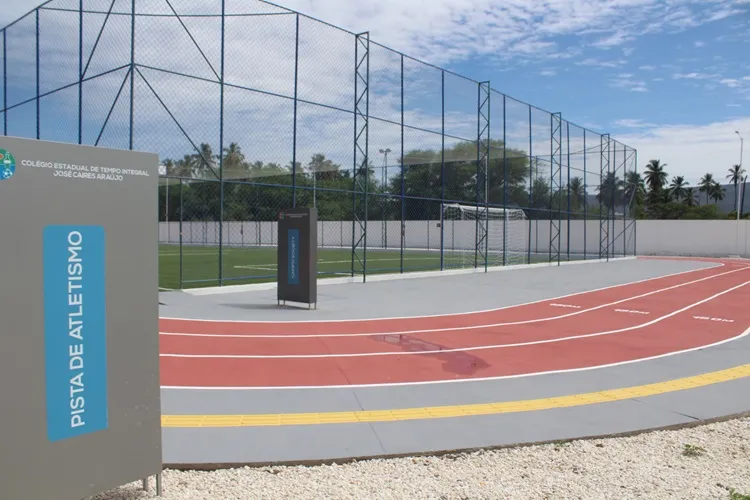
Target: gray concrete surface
x=295, y=444
x=408, y=297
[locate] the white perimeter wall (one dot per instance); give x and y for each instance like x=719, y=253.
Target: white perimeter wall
x=652, y=237
x=423, y=235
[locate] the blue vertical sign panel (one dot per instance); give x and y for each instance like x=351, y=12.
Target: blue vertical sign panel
x=75, y=330
x=293, y=261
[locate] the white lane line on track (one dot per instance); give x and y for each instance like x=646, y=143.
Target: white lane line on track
x=446, y=315
x=717, y=320
x=569, y=306
x=477, y=380
x=631, y=311
x=454, y=329
x=459, y=349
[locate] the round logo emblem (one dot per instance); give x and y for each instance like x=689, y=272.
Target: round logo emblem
x=7, y=165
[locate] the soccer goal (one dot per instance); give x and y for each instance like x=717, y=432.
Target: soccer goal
x=460, y=222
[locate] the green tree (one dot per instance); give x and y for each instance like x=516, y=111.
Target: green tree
x=655, y=175
x=678, y=187
x=716, y=192
x=735, y=177
x=705, y=185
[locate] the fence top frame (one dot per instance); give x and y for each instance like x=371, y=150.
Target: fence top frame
x=315, y=19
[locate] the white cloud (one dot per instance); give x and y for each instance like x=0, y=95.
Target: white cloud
x=694, y=76
x=699, y=43
x=604, y=64
x=625, y=81
x=691, y=150
x=647, y=67
x=548, y=72
x=633, y=123
x=730, y=82
x=443, y=29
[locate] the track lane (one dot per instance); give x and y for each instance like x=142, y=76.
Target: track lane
x=678, y=332
x=611, y=318
x=520, y=313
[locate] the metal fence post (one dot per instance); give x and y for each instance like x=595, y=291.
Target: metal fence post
x=403, y=171
x=442, y=171
x=38, y=83
x=482, y=184
x=361, y=149
x=294, y=132
x=132, y=70
x=585, y=199
x=80, y=72
x=5, y=82
x=221, y=148
x=505, y=189
x=531, y=188
x=567, y=132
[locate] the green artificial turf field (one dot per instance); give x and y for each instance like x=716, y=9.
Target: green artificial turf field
x=241, y=265
x=257, y=265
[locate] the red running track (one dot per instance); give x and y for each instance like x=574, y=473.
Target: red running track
x=615, y=325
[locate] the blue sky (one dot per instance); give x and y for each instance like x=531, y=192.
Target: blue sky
x=671, y=79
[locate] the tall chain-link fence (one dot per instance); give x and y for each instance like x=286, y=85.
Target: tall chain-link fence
x=254, y=109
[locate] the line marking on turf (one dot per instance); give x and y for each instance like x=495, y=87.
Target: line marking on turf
x=458, y=349
x=445, y=315
x=477, y=380
x=630, y=311
x=718, y=320
x=448, y=411
x=454, y=329
x=273, y=266
x=565, y=305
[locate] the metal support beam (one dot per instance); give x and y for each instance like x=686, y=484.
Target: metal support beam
x=613, y=186
x=604, y=172
x=361, y=153
x=555, y=221
x=221, y=146
x=631, y=188
x=482, y=184
x=585, y=198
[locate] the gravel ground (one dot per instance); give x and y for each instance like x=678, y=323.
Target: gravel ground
x=697, y=463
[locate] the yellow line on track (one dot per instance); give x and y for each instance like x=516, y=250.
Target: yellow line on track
x=346, y=417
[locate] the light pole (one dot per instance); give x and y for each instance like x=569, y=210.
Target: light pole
x=742, y=145
x=383, y=180
x=739, y=195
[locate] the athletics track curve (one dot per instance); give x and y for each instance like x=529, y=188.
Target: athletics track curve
x=663, y=351
x=619, y=324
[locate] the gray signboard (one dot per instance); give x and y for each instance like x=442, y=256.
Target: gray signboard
x=79, y=363
x=297, y=268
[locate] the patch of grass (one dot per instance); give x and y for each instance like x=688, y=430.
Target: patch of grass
x=692, y=451
x=734, y=494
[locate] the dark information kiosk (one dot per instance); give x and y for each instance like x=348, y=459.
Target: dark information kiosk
x=297, y=274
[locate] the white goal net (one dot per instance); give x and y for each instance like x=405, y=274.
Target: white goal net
x=507, y=228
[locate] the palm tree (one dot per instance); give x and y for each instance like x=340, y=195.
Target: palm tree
x=691, y=196
x=634, y=190
x=735, y=177
x=655, y=175
x=677, y=188
x=716, y=192
x=169, y=166
x=610, y=191
x=576, y=193
x=705, y=184
x=185, y=167
x=204, y=161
